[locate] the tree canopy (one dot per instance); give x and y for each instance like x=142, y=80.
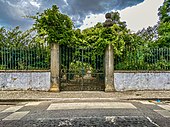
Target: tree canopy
x=131, y=50
x=164, y=25
x=15, y=38
x=57, y=27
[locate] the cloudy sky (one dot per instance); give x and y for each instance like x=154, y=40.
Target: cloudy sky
x=84, y=13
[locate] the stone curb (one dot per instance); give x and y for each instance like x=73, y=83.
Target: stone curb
x=80, y=99
x=23, y=100
x=58, y=99
x=163, y=99
x=64, y=99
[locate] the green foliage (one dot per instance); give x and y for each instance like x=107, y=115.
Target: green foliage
x=116, y=20
x=164, y=34
x=79, y=67
x=36, y=57
x=57, y=27
x=164, y=12
x=22, y=50
x=149, y=34
x=164, y=26
x=99, y=37
x=114, y=35
x=131, y=50
x=144, y=59
x=15, y=38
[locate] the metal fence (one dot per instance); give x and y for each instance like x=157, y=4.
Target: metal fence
x=25, y=58
x=38, y=58
x=143, y=59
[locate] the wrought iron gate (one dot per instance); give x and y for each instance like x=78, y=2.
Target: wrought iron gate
x=81, y=70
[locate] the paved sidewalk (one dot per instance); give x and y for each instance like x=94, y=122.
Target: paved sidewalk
x=82, y=95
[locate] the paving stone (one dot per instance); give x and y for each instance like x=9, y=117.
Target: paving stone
x=3, y=107
x=12, y=109
x=164, y=113
x=94, y=105
x=16, y=115
x=33, y=103
x=166, y=107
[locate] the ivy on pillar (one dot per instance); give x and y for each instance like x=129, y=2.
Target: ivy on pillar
x=109, y=60
x=55, y=68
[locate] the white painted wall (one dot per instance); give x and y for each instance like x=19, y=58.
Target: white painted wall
x=123, y=81
x=142, y=81
x=25, y=81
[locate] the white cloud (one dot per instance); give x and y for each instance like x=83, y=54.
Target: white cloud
x=142, y=15
x=136, y=17
x=35, y=3
x=92, y=20
x=66, y=2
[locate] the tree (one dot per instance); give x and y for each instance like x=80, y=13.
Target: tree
x=55, y=26
x=164, y=34
x=99, y=36
x=2, y=36
x=116, y=20
x=164, y=25
x=22, y=50
x=148, y=34
x=164, y=12
x=15, y=38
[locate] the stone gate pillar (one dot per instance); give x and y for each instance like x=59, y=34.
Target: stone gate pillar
x=109, y=60
x=109, y=69
x=55, y=68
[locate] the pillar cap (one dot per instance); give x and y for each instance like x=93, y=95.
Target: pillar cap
x=108, y=21
x=108, y=15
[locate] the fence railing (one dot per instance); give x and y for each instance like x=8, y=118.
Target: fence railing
x=25, y=58
x=38, y=58
x=143, y=59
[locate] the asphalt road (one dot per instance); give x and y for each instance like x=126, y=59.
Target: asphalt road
x=85, y=114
